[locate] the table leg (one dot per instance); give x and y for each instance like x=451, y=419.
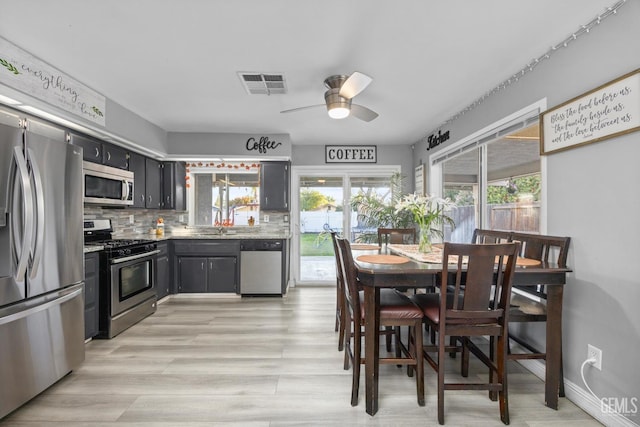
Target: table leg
x=554, y=345
x=371, y=346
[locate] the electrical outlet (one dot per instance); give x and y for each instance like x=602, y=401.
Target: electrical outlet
x=595, y=353
x=181, y=218
x=285, y=218
x=131, y=220
x=266, y=218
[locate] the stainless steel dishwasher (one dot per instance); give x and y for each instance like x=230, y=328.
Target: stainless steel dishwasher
x=261, y=267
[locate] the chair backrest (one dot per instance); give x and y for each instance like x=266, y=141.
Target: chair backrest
x=396, y=235
x=337, y=256
x=349, y=275
x=552, y=249
x=482, y=290
x=481, y=235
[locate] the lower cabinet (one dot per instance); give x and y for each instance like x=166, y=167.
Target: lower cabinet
x=205, y=266
x=163, y=267
x=207, y=274
x=91, y=283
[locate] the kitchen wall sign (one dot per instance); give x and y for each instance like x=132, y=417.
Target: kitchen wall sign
x=351, y=154
x=436, y=139
x=605, y=112
x=28, y=74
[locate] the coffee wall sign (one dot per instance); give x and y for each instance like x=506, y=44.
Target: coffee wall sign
x=262, y=144
x=29, y=75
x=350, y=154
x=605, y=112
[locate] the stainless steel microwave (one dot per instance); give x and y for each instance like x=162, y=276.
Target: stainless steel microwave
x=106, y=185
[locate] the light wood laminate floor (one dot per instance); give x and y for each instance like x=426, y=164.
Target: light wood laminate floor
x=258, y=362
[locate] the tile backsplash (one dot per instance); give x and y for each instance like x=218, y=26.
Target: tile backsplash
x=145, y=219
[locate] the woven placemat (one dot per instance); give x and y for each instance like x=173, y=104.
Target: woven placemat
x=364, y=247
x=382, y=259
x=527, y=262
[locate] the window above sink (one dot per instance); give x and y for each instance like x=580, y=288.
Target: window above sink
x=223, y=193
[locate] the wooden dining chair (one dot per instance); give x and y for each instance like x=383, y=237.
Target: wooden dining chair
x=481, y=235
x=396, y=235
x=396, y=310
x=341, y=315
x=528, y=303
x=480, y=310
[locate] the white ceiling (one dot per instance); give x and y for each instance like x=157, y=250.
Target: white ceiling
x=175, y=63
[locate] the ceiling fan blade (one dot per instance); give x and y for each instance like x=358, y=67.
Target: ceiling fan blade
x=363, y=113
x=308, y=107
x=354, y=84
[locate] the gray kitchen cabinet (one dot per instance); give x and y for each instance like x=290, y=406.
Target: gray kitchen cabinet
x=137, y=165
x=274, y=186
x=174, y=186
x=91, y=148
x=91, y=270
x=115, y=156
x=207, y=265
x=163, y=268
x=153, y=181
x=208, y=275
x=192, y=274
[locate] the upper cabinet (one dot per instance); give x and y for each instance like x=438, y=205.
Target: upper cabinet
x=153, y=181
x=274, y=186
x=174, y=186
x=115, y=156
x=91, y=148
x=96, y=151
x=137, y=165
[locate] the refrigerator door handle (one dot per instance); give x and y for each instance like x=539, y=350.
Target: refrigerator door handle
x=28, y=312
x=26, y=231
x=38, y=239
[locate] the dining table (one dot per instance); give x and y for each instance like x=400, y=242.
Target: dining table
x=412, y=269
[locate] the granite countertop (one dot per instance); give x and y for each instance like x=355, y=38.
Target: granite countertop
x=227, y=234
x=93, y=248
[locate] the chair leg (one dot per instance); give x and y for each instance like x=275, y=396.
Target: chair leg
x=388, y=337
x=348, y=353
x=502, y=378
x=355, y=380
x=342, y=328
x=464, y=359
x=417, y=344
x=441, y=355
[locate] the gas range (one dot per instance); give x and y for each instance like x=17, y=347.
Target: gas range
x=127, y=277
x=99, y=232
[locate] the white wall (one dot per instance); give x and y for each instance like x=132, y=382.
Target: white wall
x=593, y=197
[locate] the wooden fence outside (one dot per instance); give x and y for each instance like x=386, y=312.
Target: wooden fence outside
x=508, y=216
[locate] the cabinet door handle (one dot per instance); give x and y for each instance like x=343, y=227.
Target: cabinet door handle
x=202, y=265
x=142, y=198
x=108, y=155
x=97, y=152
x=149, y=199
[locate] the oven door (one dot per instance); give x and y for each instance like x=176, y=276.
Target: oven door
x=133, y=280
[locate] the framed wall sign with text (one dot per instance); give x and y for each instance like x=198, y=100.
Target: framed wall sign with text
x=605, y=112
x=350, y=154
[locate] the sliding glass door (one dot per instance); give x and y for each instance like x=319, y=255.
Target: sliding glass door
x=321, y=203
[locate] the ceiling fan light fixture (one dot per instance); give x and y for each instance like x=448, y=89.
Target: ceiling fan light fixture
x=338, y=107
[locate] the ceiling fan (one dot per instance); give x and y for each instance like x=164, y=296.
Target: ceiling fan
x=341, y=89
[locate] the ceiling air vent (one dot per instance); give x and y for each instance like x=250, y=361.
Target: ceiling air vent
x=263, y=84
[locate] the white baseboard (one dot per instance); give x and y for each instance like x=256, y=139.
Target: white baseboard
x=581, y=398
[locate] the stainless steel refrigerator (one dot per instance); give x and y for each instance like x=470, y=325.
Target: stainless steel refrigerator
x=41, y=258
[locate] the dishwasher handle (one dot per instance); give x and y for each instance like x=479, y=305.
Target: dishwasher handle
x=261, y=245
